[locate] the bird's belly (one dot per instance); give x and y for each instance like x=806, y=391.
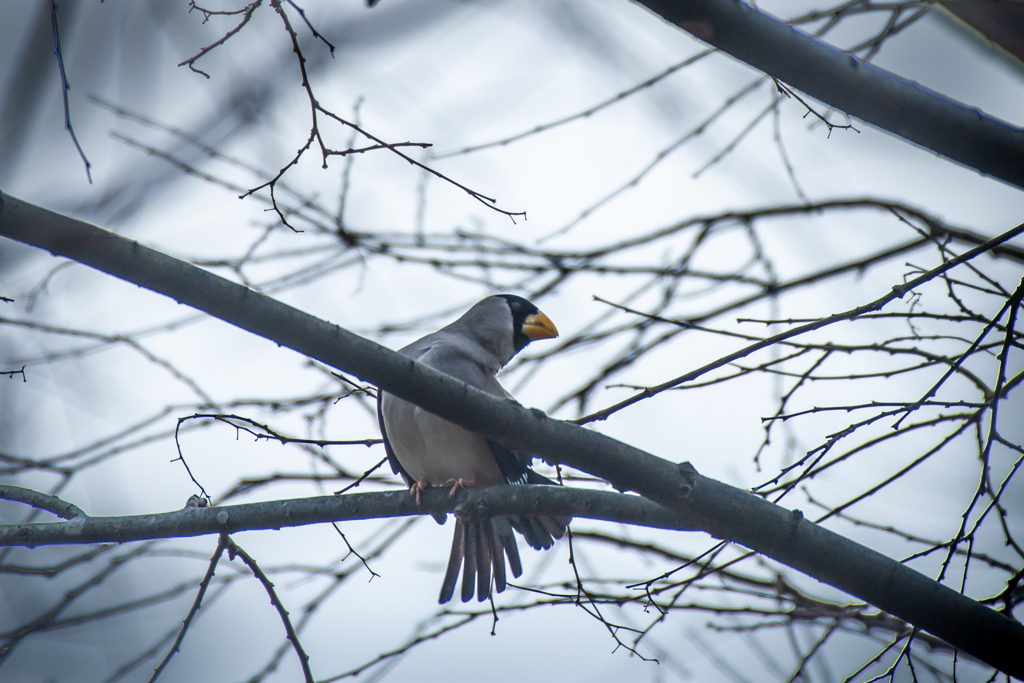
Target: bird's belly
x=437, y=450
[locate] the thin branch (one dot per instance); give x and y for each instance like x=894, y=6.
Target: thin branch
x=586, y=113
x=247, y=11
x=233, y=550
x=64, y=89
x=723, y=511
x=897, y=292
x=42, y=501
x=222, y=544
x=841, y=81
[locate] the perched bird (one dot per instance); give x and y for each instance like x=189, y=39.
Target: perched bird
x=428, y=451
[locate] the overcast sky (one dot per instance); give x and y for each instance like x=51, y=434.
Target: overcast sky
x=455, y=75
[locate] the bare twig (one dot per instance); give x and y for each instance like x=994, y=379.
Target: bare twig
x=36, y=499
x=233, y=550
x=64, y=89
x=222, y=544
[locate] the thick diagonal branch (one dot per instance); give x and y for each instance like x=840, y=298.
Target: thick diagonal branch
x=955, y=131
x=721, y=510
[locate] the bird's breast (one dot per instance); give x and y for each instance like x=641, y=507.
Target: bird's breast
x=434, y=449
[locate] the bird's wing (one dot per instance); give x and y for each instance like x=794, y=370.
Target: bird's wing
x=396, y=466
x=416, y=351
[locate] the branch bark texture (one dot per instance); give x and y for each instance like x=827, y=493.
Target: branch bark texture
x=278, y=514
x=872, y=95
x=721, y=510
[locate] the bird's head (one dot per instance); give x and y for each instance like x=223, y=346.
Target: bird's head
x=528, y=323
x=502, y=325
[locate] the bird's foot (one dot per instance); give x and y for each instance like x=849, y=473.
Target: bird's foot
x=417, y=489
x=460, y=483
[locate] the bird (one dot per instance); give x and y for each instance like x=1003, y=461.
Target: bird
x=429, y=451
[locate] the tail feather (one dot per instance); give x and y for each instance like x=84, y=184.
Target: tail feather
x=555, y=526
x=503, y=528
x=497, y=557
x=540, y=532
x=454, y=562
x=469, y=560
x=482, y=544
x=479, y=548
x=533, y=531
x=483, y=560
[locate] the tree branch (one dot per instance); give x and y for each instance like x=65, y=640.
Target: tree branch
x=721, y=510
x=41, y=501
x=278, y=514
x=955, y=131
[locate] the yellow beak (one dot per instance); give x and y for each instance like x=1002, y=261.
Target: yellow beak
x=539, y=326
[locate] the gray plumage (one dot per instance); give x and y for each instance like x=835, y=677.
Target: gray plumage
x=424, y=448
